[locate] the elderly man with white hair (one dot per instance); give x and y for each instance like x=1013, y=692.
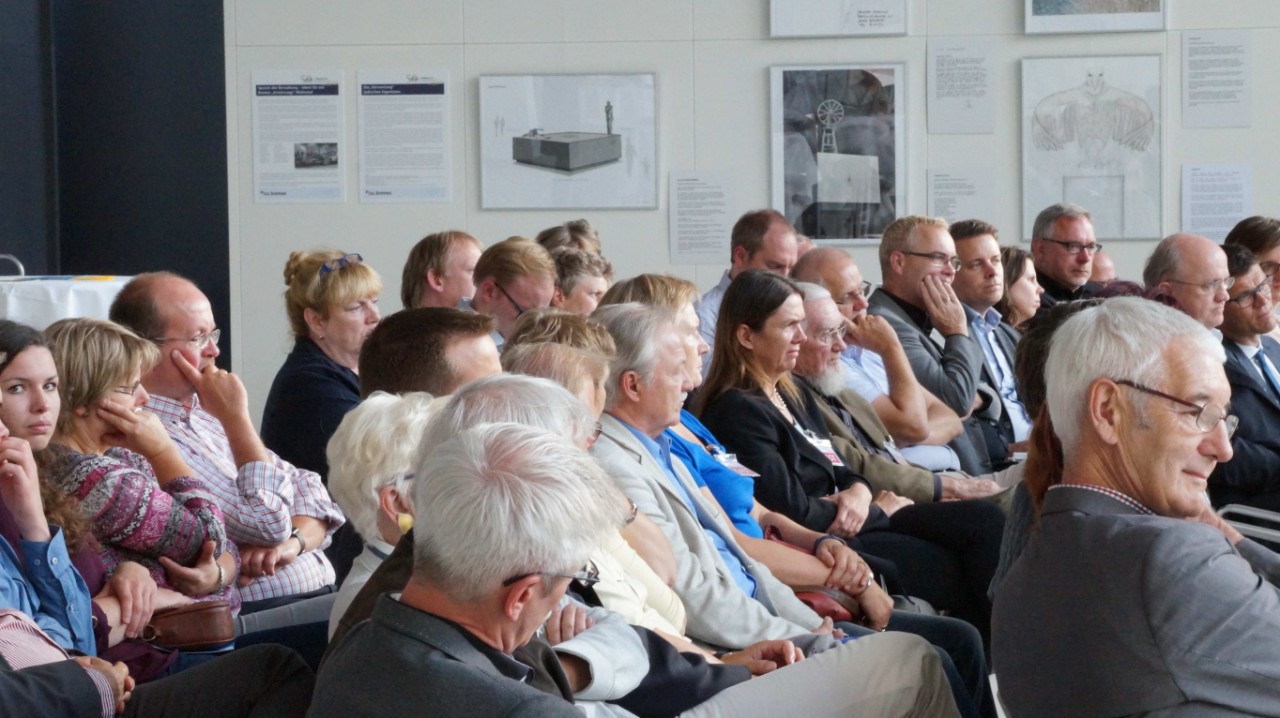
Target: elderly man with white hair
x=370, y=459
x=1133, y=597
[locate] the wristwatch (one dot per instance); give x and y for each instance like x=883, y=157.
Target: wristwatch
x=302, y=544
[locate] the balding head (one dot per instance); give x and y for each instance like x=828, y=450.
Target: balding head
x=835, y=271
x=171, y=311
x=1194, y=270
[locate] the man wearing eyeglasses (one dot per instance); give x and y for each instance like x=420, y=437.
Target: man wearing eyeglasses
x=511, y=277
x=1192, y=269
x=918, y=261
x=1062, y=248
x=280, y=516
x=1253, y=370
x=876, y=367
x=1133, y=597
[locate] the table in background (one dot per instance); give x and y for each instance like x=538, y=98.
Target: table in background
x=41, y=301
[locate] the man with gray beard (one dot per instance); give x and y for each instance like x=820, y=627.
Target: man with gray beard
x=857, y=432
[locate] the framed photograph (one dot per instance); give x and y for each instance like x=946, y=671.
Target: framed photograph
x=1095, y=15
x=838, y=148
x=568, y=142
x=1091, y=134
x=837, y=18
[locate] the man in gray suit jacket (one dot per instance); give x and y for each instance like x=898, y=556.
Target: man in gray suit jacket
x=918, y=263
x=1133, y=597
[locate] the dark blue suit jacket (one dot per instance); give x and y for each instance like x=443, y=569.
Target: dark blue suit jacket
x=1254, y=472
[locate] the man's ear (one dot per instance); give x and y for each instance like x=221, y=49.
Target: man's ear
x=519, y=595
x=630, y=385
x=896, y=261
x=435, y=281
x=739, y=256
x=1107, y=412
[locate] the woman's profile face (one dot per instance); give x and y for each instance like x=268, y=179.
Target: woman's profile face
x=1024, y=293
x=342, y=333
x=775, y=347
x=29, y=386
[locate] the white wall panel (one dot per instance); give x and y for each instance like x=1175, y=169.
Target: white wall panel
x=712, y=60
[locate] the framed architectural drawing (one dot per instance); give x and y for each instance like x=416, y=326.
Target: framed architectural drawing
x=836, y=18
x=1095, y=15
x=1091, y=134
x=838, y=149
x=568, y=142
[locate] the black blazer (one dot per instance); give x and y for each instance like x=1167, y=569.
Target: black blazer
x=1255, y=467
x=794, y=474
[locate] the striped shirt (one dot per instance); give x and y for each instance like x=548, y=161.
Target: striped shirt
x=23, y=645
x=258, y=499
x=1122, y=498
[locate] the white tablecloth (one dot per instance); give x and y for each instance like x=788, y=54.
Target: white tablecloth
x=41, y=301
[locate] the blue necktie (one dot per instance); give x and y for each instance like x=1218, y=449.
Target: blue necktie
x=1268, y=376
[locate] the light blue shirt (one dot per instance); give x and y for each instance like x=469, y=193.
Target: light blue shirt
x=708, y=312
x=465, y=305
x=660, y=449
x=864, y=372
x=46, y=586
x=984, y=325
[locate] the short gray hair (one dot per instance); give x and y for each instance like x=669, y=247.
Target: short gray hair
x=511, y=398
x=1121, y=338
x=506, y=500
x=1043, y=227
x=1163, y=262
x=374, y=447
x=634, y=328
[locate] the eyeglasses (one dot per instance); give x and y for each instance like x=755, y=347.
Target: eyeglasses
x=828, y=335
x=936, y=258
x=1207, y=416
x=588, y=576
x=861, y=292
x=1208, y=287
x=1269, y=268
x=519, y=309
x=198, y=342
x=595, y=433
x=1247, y=298
x=337, y=263
x=128, y=390
x=1074, y=248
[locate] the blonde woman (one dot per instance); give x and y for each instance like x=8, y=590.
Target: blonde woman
x=143, y=501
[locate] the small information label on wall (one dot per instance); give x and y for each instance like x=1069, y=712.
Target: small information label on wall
x=1215, y=197
x=1216, y=78
x=960, y=88
x=297, y=137
x=699, y=218
x=404, y=136
x=957, y=193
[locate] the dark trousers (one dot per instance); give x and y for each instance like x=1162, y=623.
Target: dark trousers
x=265, y=681
x=945, y=553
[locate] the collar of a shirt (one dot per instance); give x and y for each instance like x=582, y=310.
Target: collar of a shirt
x=169, y=409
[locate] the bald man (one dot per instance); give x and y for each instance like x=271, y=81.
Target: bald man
x=1193, y=269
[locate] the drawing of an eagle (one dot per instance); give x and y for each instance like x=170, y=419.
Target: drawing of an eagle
x=1093, y=116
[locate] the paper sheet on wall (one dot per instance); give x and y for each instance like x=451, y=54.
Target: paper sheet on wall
x=832, y=18
x=959, y=79
x=1216, y=78
x=957, y=193
x=699, y=218
x=404, y=136
x=1215, y=197
x=297, y=137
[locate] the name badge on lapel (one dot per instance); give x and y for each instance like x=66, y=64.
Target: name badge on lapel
x=730, y=462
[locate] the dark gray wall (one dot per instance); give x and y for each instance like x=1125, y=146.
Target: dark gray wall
x=113, y=140
x=27, y=179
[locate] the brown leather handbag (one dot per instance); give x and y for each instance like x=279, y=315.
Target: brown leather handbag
x=199, y=626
